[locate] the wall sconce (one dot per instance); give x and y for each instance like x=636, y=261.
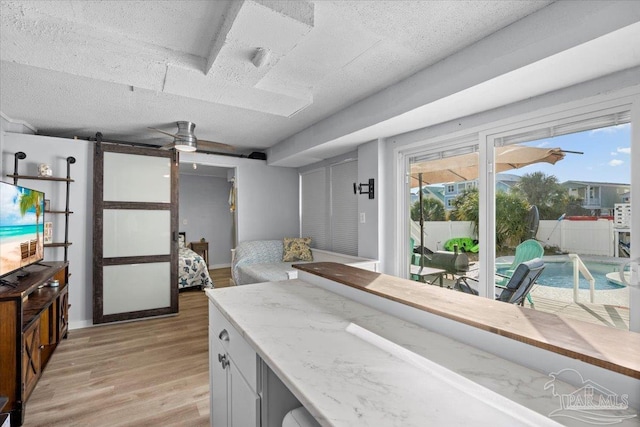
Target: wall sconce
x=369, y=190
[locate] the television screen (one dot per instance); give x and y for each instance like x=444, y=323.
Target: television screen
x=21, y=227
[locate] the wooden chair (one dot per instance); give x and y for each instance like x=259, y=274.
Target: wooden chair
x=33, y=245
x=24, y=251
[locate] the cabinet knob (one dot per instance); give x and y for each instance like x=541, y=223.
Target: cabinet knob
x=223, y=360
x=224, y=335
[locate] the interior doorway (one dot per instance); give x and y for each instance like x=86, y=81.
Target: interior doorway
x=207, y=209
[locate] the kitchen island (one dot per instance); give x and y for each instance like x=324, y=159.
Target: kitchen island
x=296, y=343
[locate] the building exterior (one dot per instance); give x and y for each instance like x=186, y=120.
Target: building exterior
x=599, y=197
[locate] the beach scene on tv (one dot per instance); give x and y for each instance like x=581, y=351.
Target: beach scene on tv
x=21, y=227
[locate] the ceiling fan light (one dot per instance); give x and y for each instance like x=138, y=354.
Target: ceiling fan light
x=186, y=146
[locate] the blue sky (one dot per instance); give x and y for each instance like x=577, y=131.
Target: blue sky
x=10, y=212
x=606, y=158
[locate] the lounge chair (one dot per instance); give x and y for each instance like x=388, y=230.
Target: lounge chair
x=516, y=289
x=24, y=251
x=525, y=251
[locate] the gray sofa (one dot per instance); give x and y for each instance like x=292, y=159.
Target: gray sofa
x=260, y=261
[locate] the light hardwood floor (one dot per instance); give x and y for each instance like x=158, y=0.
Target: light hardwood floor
x=146, y=373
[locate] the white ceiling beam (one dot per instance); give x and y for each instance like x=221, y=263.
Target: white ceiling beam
x=221, y=37
x=553, y=30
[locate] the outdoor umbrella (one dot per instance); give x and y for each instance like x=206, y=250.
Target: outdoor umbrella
x=465, y=167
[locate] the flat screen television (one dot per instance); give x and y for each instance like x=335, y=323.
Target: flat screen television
x=21, y=227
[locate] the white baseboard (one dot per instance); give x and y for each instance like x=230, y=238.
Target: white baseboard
x=214, y=266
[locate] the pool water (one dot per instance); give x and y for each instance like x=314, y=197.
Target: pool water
x=560, y=275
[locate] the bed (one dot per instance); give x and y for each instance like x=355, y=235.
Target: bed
x=192, y=270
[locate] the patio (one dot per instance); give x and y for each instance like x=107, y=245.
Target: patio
x=611, y=308
x=605, y=313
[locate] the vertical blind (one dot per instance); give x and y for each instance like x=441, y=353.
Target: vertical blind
x=344, y=208
x=314, y=208
x=329, y=207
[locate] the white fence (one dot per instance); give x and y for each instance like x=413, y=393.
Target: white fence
x=580, y=237
x=436, y=233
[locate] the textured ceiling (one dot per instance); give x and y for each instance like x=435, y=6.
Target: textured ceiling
x=74, y=67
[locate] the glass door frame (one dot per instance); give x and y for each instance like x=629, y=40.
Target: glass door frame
x=99, y=205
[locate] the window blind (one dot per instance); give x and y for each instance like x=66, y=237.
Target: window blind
x=575, y=126
x=344, y=208
x=314, y=208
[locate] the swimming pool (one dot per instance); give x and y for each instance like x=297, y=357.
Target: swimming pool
x=560, y=275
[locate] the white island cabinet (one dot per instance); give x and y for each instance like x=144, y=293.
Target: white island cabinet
x=233, y=369
x=239, y=378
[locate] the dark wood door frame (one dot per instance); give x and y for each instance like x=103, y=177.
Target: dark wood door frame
x=99, y=205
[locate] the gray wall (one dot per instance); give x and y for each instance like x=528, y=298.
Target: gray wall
x=204, y=212
x=268, y=206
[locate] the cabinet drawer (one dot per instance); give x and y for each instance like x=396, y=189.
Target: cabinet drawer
x=238, y=349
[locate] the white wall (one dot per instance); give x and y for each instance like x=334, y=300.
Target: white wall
x=204, y=213
x=267, y=196
x=54, y=151
x=370, y=232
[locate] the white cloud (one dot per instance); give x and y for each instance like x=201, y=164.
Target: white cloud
x=616, y=162
x=543, y=144
x=625, y=150
x=614, y=153
x=610, y=129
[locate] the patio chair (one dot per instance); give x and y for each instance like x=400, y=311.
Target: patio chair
x=525, y=251
x=516, y=289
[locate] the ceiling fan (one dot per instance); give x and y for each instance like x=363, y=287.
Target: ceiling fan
x=185, y=139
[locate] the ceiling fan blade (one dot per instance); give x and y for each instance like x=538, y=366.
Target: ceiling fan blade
x=168, y=146
x=215, y=145
x=166, y=133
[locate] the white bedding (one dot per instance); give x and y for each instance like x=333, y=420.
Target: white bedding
x=192, y=270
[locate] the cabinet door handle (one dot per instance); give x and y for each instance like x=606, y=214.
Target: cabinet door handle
x=224, y=335
x=223, y=360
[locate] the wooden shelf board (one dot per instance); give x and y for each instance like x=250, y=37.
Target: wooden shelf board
x=41, y=178
x=57, y=245
x=59, y=212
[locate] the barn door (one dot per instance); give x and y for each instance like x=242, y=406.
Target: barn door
x=135, y=226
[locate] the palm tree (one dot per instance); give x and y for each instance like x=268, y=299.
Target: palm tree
x=28, y=200
x=432, y=210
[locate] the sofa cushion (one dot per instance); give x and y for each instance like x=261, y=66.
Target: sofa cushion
x=296, y=249
x=255, y=252
x=267, y=272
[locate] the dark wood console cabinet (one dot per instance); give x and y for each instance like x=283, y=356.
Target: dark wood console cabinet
x=33, y=321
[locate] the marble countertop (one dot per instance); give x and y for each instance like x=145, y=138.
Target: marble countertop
x=351, y=365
